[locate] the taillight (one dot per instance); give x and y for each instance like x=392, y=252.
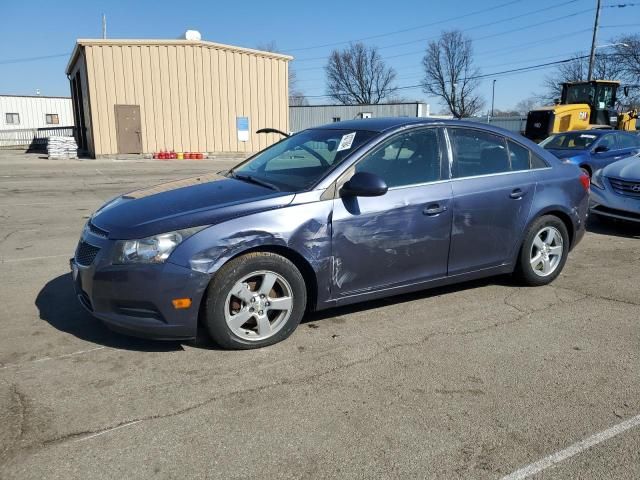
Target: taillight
x=585, y=181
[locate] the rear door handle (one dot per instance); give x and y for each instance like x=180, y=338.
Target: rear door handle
x=517, y=194
x=434, y=209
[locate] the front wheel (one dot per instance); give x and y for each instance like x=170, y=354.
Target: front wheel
x=544, y=251
x=255, y=300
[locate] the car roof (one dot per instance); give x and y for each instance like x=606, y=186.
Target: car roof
x=378, y=124
x=384, y=124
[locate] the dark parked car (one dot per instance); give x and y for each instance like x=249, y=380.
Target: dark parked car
x=616, y=190
x=592, y=149
x=333, y=215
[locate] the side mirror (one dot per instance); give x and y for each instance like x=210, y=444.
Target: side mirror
x=364, y=184
x=601, y=149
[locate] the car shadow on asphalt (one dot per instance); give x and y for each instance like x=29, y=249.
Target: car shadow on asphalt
x=58, y=306
x=613, y=227
x=502, y=280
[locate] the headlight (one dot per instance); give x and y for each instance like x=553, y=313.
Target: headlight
x=597, y=180
x=155, y=249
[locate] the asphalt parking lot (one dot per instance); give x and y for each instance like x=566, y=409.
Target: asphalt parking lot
x=474, y=381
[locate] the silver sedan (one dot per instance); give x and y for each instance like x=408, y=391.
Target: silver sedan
x=615, y=191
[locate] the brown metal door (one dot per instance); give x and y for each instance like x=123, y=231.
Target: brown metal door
x=128, y=131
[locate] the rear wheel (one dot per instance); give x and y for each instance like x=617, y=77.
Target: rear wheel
x=255, y=300
x=544, y=251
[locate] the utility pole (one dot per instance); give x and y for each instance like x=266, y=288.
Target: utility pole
x=493, y=95
x=592, y=58
x=104, y=26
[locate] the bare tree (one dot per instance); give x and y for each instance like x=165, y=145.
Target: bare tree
x=607, y=66
x=627, y=51
x=449, y=74
x=526, y=105
x=296, y=96
x=358, y=75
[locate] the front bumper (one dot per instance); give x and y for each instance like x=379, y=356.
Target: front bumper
x=610, y=204
x=136, y=299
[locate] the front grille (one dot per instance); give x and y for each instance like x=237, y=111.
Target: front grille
x=98, y=232
x=625, y=187
x=86, y=253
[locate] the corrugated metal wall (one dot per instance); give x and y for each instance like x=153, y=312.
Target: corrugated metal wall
x=189, y=93
x=32, y=111
x=514, y=124
x=304, y=117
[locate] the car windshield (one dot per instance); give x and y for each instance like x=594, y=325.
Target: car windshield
x=298, y=162
x=569, y=141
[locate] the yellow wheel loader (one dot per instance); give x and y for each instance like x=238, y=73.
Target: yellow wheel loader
x=583, y=106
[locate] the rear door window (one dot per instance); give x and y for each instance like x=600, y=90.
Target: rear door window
x=478, y=153
x=522, y=158
x=519, y=156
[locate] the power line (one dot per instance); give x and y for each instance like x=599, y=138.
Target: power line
x=421, y=74
x=493, y=35
x=485, y=75
x=33, y=59
x=395, y=32
x=474, y=27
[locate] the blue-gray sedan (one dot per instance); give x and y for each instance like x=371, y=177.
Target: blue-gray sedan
x=333, y=215
x=616, y=190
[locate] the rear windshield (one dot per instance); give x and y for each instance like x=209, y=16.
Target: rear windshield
x=569, y=141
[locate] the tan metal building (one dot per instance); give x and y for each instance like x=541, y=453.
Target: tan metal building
x=143, y=96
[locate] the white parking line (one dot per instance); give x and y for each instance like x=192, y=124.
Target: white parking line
x=107, y=431
x=45, y=359
x=49, y=204
x=30, y=259
x=572, y=450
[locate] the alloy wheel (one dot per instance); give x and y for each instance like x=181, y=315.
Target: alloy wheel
x=259, y=305
x=546, y=251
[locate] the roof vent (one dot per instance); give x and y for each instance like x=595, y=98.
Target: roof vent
x=192, y=35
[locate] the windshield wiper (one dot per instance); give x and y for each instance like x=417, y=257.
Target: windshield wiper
x=249, y=178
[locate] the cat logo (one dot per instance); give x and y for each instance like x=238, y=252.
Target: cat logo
x=583, y=115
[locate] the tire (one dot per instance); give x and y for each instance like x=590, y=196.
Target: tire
x=536, y=270
x=243, y=312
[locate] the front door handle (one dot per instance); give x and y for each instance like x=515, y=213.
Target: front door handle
x=434, y=209
x=517, y=194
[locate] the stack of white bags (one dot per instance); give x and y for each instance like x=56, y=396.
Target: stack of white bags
x=62, y=147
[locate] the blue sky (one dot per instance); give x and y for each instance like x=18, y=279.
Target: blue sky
x=544, y=31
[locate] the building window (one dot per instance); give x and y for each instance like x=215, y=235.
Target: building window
x=12, y=119
x=336, y=119
x=52, y=119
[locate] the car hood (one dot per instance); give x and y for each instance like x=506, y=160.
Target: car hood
x=568, y=155
x=191, y=202
x=625, y=169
